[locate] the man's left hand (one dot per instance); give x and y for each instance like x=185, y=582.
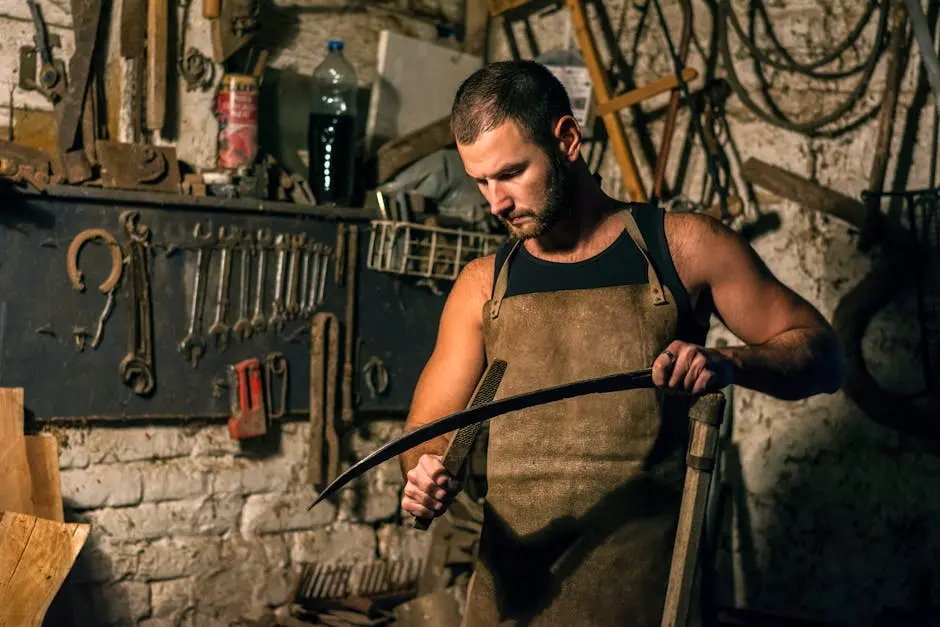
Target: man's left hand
x=692, y=368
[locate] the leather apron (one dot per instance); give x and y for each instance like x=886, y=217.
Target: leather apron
x=583, y=494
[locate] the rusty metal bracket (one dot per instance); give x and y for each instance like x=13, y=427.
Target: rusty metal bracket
x=138, y=166
x=22, y=163
x=117, y=260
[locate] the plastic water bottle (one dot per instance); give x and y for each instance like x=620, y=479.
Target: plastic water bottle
x=331, y=135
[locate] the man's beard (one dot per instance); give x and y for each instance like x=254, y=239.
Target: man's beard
x=559, y=194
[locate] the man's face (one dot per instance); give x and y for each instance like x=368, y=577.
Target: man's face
x=528, y=190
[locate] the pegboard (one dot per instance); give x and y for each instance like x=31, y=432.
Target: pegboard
x=396, y=321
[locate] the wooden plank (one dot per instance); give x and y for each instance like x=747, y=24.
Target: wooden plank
x=42, y=553
x=475, y=17
x=42, y=454
x=705, y=416
x=157, y=60
x=399, y=153
x=501, y=6
x=612, y=121
x=16, y=485
x=414, y=85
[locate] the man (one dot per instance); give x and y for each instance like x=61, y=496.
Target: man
x=582, y=495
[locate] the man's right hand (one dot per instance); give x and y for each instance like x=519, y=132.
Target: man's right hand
x=430, y=488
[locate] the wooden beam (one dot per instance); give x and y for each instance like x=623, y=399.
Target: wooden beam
x=649, y=90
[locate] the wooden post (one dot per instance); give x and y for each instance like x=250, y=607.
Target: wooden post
x=705, y=417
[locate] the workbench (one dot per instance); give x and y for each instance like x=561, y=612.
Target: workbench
x=396, y=319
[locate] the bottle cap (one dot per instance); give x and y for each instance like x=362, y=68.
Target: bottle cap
x=335, y=44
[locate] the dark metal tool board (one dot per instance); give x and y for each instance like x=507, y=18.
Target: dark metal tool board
x=396, y=321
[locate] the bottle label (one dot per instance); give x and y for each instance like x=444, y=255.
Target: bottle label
x=237, y=111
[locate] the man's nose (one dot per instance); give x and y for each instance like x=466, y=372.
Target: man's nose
x=497, y=197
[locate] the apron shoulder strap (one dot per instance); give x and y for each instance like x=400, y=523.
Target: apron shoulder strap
x=633, y=230
x=502, y=282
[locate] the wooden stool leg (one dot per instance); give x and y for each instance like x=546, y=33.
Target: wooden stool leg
x=705, y=417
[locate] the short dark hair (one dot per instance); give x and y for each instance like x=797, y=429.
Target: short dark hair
x=525, y=92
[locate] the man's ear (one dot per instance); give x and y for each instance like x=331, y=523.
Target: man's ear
x=568, y=132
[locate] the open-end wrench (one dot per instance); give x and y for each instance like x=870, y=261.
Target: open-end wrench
x=258, y=322
x=311, y=303
x=220, y=328
x=276, y=321
x=242, y=327
x=326, y=252
x=297, y=243
x=302, y=309
x=193, y=346
x=137, y=366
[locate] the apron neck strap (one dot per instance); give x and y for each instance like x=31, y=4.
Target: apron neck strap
x=633, y=230
x=502, y=281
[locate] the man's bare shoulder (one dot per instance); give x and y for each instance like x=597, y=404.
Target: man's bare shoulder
x=695, y=243
x=476, y=280
x=478, y=276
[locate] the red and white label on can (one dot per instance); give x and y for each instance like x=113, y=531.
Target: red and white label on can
x=237, y=110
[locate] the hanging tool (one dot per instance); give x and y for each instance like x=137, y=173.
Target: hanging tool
x=157, y=61
x=612, y=383
x=323, y=465
x=86, y=15
x=897, y=56
x=137, y=365
x=220, y=327
x=193, y=345
x=275, y=365
x=711, y=148
x=460, y=445
x=673, y=110
x=51, y=83
x=928, y=51
x=107, y=287
x=117, y=261
x=248, y=418
x=376, y=376
x=349, y=352
x=133, y=38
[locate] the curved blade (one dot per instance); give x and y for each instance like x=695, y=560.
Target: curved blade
x=481, y=413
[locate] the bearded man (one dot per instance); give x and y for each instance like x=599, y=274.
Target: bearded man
x=583, y=494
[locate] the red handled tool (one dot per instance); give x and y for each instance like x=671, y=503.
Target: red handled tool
x=249, y=418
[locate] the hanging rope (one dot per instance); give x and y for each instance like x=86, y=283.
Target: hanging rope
x=784, y=61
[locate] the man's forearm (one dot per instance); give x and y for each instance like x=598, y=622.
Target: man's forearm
x=409, y=459
x=793, y=365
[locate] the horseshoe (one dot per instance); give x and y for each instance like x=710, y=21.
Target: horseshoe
x=117, y=260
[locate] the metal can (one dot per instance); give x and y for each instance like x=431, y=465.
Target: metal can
x=237, y=111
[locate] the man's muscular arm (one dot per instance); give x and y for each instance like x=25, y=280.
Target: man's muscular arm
x=446, y=384
x=790, y=350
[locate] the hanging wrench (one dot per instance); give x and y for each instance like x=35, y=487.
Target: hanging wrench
x=281, y=244
x=306, y=282
x=220, y=328
x=137, y=365
x=242, y=327
x=258, y=322
x=304, y=279
x=297, y=243
x=315, y=252
x=193, y=346
x=327, y=252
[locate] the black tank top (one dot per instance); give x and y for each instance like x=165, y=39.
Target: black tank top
x=621, y=263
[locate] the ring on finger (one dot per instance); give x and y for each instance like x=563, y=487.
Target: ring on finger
x=671, y=355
